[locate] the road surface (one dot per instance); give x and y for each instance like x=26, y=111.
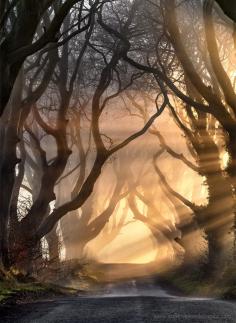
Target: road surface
x=124, y=303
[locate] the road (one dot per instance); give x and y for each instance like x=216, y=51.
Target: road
x=123, y=303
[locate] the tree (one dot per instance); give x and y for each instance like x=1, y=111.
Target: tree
x=204, y=98
x=42, y=122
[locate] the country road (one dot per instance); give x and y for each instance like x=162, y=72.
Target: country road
x=121, y=304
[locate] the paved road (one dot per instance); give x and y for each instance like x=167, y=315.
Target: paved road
x=123, y=304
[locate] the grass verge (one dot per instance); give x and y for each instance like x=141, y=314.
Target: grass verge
x=194, y=284
x=14, y=292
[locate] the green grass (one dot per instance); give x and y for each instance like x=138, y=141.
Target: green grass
x=6, y=290
x=190, y=284
x=194, y=284
x=30, y=291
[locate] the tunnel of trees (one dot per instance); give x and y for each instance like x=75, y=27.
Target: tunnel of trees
x=116, y=114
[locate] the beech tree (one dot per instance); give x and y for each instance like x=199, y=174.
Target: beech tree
x=65, y=65
x=45, y=115
x=213, y=99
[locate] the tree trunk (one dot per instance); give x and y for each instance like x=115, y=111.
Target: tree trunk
x=217, y=219
x=53, y=246
x=74, y=230
x=8, y=162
